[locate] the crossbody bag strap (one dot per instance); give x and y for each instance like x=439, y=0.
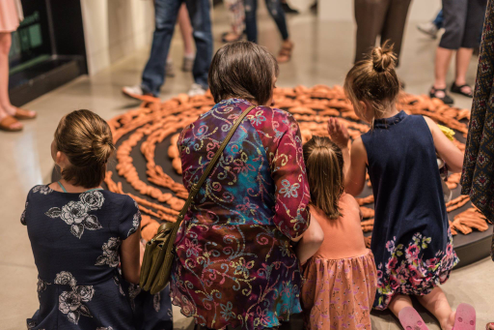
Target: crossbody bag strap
x=196, y=187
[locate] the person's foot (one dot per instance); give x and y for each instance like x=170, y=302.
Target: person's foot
x=188, y=63
x=287, y=9
x=285, y=53
x=314, y=6
x=170, y=69
x=9, y=123
x=440, y=93
x=462, y=88
x=135, y=92
x=231, y=37
x=489, y=326
x=429, y=29
x=20, y=114
x=196, y=89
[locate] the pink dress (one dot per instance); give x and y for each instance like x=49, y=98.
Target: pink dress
x=341, y=277
x=10, y=13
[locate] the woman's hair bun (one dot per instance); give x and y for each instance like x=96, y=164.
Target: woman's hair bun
x=383, y=58
x=102, y=148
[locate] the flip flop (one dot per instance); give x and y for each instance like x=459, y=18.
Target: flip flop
x=410, y=319
x=7, y=122
x=465, y=317
x=23, y=114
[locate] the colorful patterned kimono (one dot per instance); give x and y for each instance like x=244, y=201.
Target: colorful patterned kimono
x=477, y=179
x=234, y=264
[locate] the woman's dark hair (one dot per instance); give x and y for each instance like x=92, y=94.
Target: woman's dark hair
x=324, y=163
x=86, y=139
x=242, y=70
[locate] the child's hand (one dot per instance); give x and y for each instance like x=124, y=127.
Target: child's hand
x=338, y=133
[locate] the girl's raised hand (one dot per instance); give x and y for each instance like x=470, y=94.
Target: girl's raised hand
x=338, y=133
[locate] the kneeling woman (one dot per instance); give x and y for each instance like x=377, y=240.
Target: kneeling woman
x=85, y=239
x=234, y=263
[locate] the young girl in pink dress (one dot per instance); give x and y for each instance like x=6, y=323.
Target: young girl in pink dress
x=341, y=276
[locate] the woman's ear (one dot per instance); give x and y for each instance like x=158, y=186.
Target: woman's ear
x=61, y=159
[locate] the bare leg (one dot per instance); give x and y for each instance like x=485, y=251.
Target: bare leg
x=398, y=303
x=443, y=58
x=186, y=31
x=5, y=107
x=463, y=57
x=437, y=303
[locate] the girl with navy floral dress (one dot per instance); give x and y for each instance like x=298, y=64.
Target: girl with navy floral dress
x=85, y=240
x=411, y=240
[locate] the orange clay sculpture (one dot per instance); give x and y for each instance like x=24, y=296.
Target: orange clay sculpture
x=161, y=198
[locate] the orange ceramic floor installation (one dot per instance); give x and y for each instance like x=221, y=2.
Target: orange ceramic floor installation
x=160, y=197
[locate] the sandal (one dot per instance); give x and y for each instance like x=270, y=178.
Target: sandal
x=285, y=53
x=446, y=98
x=225, y=39
x=410, y=319
x=458, y=90
x=465, y=317
x=7, y=122
x=23, y=114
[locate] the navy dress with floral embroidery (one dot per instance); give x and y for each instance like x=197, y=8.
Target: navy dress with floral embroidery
x=411, y=240
x=76, y=240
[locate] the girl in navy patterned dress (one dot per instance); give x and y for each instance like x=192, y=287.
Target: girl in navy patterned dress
x=411, y=240
x=85, y=239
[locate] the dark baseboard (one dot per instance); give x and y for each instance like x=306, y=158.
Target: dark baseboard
x=43, y=77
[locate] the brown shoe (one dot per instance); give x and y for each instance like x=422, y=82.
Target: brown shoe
x=7, y=123
x=285, y=53
x=22, y=114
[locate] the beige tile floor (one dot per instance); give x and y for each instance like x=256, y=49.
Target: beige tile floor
x=323, y=54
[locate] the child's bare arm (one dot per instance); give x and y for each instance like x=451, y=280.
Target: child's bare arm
x=310, y=242
x=445, y=148
x=355, y=162
x=355, y=176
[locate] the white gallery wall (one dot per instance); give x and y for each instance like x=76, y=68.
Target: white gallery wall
x=115, y=28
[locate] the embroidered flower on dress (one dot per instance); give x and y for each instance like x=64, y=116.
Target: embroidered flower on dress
x=135, y=223
x=45, y=190
x=71, y=302
x=110, y=254
x=289, y=190
x=23, y=216
x=75, y=214
x=41, y=286
x=157, y=302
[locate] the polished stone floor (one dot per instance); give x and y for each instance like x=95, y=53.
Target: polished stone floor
x=322, y=55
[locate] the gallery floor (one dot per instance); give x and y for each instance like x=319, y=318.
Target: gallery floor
x=322, y=55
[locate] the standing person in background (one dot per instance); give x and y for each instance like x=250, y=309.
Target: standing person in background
x=462, y=26
x=166, y=13
x=384, y=18
x=276, y=11
x=237, y=18
x=431, y=28
x=10, y=16
x=189, y=52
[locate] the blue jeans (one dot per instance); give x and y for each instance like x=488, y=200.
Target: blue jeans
x=166, y=12
x=438, y=21
x=275, y=10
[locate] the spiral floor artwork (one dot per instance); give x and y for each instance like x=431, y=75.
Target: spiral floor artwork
x=148, y=165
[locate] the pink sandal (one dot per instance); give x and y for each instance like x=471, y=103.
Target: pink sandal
x=465, y=317
x=410, y=319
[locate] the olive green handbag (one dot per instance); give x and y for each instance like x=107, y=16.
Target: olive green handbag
x=159, y=254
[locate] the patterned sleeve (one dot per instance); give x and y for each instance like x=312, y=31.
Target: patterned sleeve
x=130, y=219
x=23, y=216
x=281, y=139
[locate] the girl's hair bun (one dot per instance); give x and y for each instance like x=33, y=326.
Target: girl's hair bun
x=383, y=58
x=102, y=148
